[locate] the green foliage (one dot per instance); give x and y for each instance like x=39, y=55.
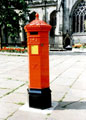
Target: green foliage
x=20, y=103
x=11, y=12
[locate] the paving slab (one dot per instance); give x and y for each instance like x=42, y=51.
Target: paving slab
x=7, y=109
x=4, y=91
x=35, y=110
x=21, y=115
x=15, y=98
x=11, y=84
x=58, y=91
x=80, y=85
x=75, y=95
x=64, y=114
x=22, y=90
x=67, y=83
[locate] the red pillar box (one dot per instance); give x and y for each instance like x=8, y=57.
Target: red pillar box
x=37, y=37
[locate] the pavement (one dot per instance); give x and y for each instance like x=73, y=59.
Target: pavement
x=67, y=83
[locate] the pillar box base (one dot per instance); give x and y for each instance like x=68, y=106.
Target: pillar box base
x=40, y=98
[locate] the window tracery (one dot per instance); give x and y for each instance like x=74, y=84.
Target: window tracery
x=79, y=17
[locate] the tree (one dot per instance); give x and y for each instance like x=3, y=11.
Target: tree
x=11, y=12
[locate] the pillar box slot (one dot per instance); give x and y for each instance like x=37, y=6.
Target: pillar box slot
x=33, y=33
x=39, y=87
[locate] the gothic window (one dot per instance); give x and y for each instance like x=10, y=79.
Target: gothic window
x=73, y=23
x=81, y=25
x=53, y=23
x=79, y=17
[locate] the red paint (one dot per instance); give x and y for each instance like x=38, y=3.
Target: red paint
x=37, y=34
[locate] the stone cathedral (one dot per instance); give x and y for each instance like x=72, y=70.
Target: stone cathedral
x=67, y=18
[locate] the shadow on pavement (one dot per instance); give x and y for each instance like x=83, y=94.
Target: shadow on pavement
x=77, y=105
x=66, y=53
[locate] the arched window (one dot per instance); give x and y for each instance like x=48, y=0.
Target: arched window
x=79, y=17
x=53, y=23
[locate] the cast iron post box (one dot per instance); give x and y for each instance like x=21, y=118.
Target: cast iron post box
x=37, y=41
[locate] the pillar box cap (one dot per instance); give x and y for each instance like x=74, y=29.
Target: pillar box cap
x=37, y=25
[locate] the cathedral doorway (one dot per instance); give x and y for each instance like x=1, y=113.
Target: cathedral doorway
x=53, y=23
x=67, y=39
x=52, y=32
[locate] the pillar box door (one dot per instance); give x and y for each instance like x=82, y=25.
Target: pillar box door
x=38, y=49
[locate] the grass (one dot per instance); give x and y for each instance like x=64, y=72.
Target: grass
x=9, y=78
x=12, y=90
x=20, y=103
